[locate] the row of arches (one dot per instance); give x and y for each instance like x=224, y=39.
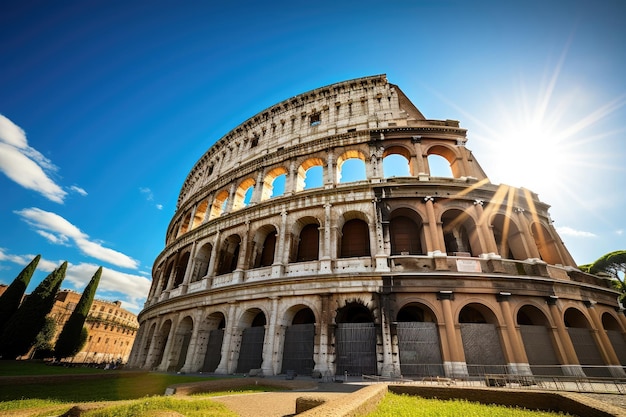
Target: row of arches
x=230, y=342
x=316, y=171
x=406, y=231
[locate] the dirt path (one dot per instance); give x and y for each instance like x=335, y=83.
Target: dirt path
x=270, y=404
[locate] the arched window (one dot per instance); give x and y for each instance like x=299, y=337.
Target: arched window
x=351, y=167
x=243, y=194
x=310, y=174
x=355, y=239
x=219, y=204
x=439, y=166
x=269, y=247
x=308, y=245
x=405, y=236
x=181, y=268
x=198, y=218
x=274, y=183
x=396, y=162
x=229, y=255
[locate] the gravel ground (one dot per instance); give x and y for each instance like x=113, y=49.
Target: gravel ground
x=617, y=400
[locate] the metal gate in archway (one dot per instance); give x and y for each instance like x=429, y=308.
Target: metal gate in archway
x=214, y=350
x=251, y=351
x=355, y=349
x=418, y=346
x=298, y=349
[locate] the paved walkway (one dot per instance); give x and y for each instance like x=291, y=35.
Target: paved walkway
x=281, y=404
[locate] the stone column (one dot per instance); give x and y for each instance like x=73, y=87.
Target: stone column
x=528, y=237
x=192, y=364
x=242, y=262
x=269, y=353
x=167, y=360
x=454, y=358
x=327, y=251
x=390, y=368
x=258, y=188
x=432, y=226
x=518, y=362
x=321, y=356
x=570, y=366
x=189, y=268
x=484, y=231
x=417, y=162
x=232, y=193
x=211, y=269
x=281, y=256
x=378, y=241
x=291, y=179
x=330, y=179
x=226, y=364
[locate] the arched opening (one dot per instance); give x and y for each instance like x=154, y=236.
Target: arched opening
x=460, y=234
x=481, y=341
x=167, y=275
x=351, y=167
x=184, y=227
x=538, y=341
x=581, y=334
x=355, y=341
x=220, y=202
x=181, y=342
x=251, y=350
x=299, y=341
x=229, y=255
x=201, y=264
x=418, y=341
x=160, y=343
x=310, y=174
x=308, y=243
x=443, y=162
x=406, y=233
x=274, y=183
x=198, y=217
x=355, y=239
x=264, y=246
x=546, y=245
x=616, y=336
x=396, y=162
x=243, y=195
x=181, y=268
x=509, y=239
x=215, y=325
x=146, y=346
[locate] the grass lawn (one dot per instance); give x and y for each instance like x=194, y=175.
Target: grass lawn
x=109, y=386
x=398, y=405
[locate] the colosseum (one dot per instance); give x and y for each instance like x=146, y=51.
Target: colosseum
x=381, y=266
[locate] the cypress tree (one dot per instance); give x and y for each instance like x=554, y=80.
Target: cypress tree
x=21, y=330
x=12, y=297
x=74, y=335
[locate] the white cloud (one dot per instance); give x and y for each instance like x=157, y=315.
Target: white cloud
x=159, y=206
x=619, y=232
x=25, y=165
x=58, y=230
x=568, y=231
x=131, y=289
x=147, y=192
x=78, y=190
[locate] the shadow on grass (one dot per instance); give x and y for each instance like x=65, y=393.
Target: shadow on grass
x=73, y=385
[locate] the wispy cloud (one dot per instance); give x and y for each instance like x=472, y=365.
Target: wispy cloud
x=149, y=196
x=57, y=229
x=619, y=232
x=78, y=190
x=25, y=165
x=568, y=231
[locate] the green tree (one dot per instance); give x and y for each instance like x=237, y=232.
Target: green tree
x=22, y=328
x=43, y=342
x=613, y=264
x=74, y=335
x=12, y=297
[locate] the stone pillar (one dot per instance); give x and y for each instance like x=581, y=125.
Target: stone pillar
x=167, y=360
x=211, y=269
x=258, y=188
x=232, y=193
x=488, y=242
x=226, y=365
x=453, y=357
x=192, y=364
x=291, y=179
x=518, y=362
x=189, y=267
x=330, y=179
x=269, y=353
x=281, y=255
x=242, y=262
x=321, y=356
x=432, y=226
x=604, y=343
x=379, y=242
x=417, y=162
x=171, y=277
x=570, y=366
x=390, y=367
x=528, y=237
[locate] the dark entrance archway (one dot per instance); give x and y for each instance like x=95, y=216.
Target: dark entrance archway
x=216, y=324
x=251, y=350
x=481, y=342
x=300, y=343
x=537, y=340
x=418, y=341
x=355, y=341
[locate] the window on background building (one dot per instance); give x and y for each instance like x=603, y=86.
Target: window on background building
x=315, y=119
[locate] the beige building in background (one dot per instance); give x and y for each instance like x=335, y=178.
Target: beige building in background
x=111, y=328
x=418, y=275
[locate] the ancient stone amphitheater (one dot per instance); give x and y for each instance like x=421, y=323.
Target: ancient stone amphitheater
x=367, y=272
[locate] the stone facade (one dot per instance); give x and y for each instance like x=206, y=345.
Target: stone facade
x=420, y=274
x=111, y=328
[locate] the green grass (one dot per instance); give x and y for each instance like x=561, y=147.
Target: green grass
x=411, y=406
x=149, y=407
x=29, y=368
x=109, y=386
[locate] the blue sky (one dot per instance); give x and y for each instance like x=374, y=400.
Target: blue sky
x=107, y=105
